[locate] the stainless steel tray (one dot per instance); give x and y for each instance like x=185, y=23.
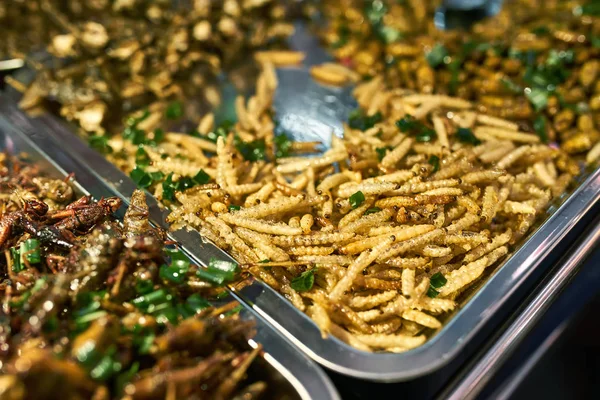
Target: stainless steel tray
x=294, y=374
x=309, y=111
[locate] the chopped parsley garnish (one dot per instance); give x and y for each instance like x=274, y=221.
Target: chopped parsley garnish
x=100, y=143
x=174, y=110
x=145, y=179
x=304, y=281
x=219, y=272
x=283, y=146
x=436, y=55
x=431, y=292
x=435, y=161
x=465, y=135
x=358, y=120
x=357, y=199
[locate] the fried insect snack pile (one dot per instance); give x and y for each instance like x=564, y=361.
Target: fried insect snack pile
x=124, y=55
x=92, y=309
x=376, y=237
x=536, y=63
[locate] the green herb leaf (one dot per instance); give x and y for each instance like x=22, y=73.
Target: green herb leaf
x=233, y=207
x=595, y=41
x=539, y=125
x=168, y=188
x=304, y=281
x=436, y=56
x=437, y=280
x=358, y=120
x=174, y=110
x=356, y=199
x=201, y=178
x=143, y=286
x=432, y=293
x=283, y=146
x=145, y=342
x=142, y=179
x=538, y=98
x=435, y=161
x=30, y=251
x=465, y=135
x=100, y=143
x=134, y=121
x=541, y=30
x=107, y=366
x=372, y=210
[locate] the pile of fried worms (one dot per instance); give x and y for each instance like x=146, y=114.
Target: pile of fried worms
x=376, y=237
x=91, y=308
x=536, y=62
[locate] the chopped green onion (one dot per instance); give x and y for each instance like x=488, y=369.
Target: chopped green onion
x=511, y=86
x=358, y=120
x=100, y=143
x=144, y=343
x=197, y=303
x=141, y=157
x=16, y=260
x=251, y=151
x=107, y=366
x=431, y=292
x=144, y=286
x=233, y=207
x=175, y=272
x=234, y=310
x=372, y=210
x=538, y=98
x=426, y=135
x=30, y=251
x=174, y=110
x=125, y=377
x=201, y=178
x=406, y=124
x=595, y=40
x=357, y=199
x=437, y=280
x=539, y=125
x=381, y=152
x=436, y=56
x=465, y=135
x=219, y=271
x=435, y=161
x=283, y=146
x=304, y=281
x=133, y=121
